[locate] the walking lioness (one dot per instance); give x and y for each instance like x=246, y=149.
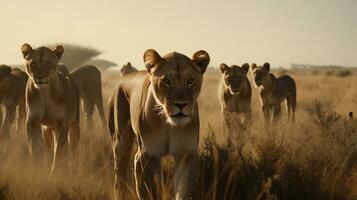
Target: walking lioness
x=235, y=94
x=159, y=108
x=127, y=69
x=12, y=97
x=273, y=91
x=88, y=80
x=51, y=102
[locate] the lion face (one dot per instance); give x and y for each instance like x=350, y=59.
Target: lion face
x=260, y=73
x=41, y=63
x=234, y=77
x=127, y=69
x=5, y=72
x=176, y=81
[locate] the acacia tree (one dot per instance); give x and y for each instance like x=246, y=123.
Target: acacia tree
x=76, y=55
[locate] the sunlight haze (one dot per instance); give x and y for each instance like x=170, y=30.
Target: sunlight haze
x=281, y=32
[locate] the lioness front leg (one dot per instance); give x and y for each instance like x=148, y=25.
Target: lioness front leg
x=21, y=111
x=227, y=122
x=277, y=112
x=74, y=135
x=267, y=113
x=147, y=171
x=246, y=119
x=122, y=146
x=59, y=147
x=47, y=134
x=8, y=121
x=34, y=137
x=185, y=175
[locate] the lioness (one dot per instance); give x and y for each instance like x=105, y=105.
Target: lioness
x=127, y=69
x=235, y=95
x=273, y=91
x=88, y=80
x=159, y=108
x=12, y=97
x=51, y=102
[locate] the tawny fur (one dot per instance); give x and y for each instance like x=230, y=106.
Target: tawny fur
x=127, y=69
x=273, y=90
x=88, y=80
x=235, y=95
x=63, y=69
x=159, y=108
x=52, y=102
x=12, y=96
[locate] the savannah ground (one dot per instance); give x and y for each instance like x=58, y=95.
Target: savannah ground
x=315, y=158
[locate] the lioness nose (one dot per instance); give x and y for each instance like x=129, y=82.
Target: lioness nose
x=180, y=105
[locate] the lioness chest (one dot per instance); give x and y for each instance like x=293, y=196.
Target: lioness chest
x=49, y=109
x=53, y=111
x=175, y=139
x=236, y=104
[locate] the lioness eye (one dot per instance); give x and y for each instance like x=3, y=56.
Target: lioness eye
x=166, y=81
x=190, y=82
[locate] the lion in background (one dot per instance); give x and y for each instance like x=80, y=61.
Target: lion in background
x=88, y=80
x=12, y=96
x=127, y=69
x=235, y=95
x=52, y=104
x=273, y=90
x=159, y=108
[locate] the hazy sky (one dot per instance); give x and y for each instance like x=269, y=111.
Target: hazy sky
x=279, y=31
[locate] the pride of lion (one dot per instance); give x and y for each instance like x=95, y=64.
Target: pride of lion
x=157, y=107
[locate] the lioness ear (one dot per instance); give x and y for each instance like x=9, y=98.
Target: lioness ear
x=266, y=66
x=6, y=69
x=26, y=49
x=201, y=58
x=245, y=67
x=59, y=51
x=254, y=66
x=151, y=58
x=223, y=67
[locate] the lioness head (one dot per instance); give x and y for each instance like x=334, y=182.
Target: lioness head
x=127, y=69
x=41, y=63
x=234, y=77
x=5, y=72
x=176, y=81
x=260, y=73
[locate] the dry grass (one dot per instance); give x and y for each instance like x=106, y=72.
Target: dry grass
x=316, y=158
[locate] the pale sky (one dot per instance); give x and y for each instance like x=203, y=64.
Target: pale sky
x=282, y=32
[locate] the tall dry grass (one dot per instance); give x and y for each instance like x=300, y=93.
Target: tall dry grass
x=315, y=158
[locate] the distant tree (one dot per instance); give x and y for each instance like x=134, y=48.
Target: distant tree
x=102, y=64
x=76, y=55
